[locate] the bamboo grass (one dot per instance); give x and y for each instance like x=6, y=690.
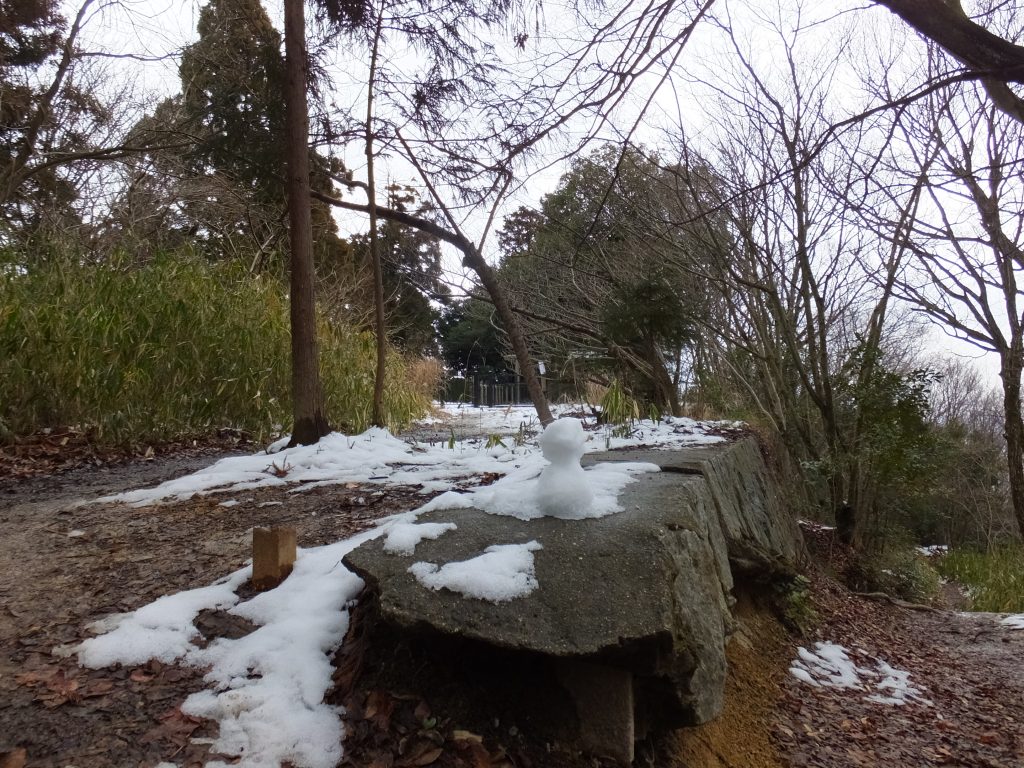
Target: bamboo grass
x=177, y=346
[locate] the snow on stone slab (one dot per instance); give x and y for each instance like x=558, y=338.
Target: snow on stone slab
x=402, y=538
x=517, y=493
x=1014, y=621
x=830, y=666
x=503, y=572
x=933, y=550
x=266, y=689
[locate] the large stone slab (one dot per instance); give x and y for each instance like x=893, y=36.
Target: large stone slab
x=647, y=590
x=762, y=536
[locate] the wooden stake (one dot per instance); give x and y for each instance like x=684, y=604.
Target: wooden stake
x=273, y=555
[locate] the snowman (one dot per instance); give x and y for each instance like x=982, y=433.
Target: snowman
x=562, y=489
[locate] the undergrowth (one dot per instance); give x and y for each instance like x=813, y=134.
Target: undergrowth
x=793, y=604
x=173, y=347
x=994, y=580
x=900, y=571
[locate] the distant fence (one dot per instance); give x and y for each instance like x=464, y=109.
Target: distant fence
x=491, y=390
x=486, y=390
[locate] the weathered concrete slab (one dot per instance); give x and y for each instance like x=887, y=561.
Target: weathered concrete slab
x=762, y=537
x=646, y=591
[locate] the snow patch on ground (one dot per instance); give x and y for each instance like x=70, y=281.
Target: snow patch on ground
x=1014, y=621
x=815, y=526
x=162, y=630
x=830, y=666
x=266, y=688
x=378, y=457
x=503, y=572
x=933, y=550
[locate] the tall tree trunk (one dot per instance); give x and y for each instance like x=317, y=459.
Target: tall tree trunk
x=307, y=393
x=510, y=323
x=1013, y=425
x=377, y=415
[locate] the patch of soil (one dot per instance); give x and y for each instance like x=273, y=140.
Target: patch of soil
x=741, y=736
x=68, y=565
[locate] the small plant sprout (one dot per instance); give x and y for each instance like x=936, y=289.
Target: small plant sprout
x=279, y=471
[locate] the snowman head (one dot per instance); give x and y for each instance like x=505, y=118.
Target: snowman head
x=563, y=441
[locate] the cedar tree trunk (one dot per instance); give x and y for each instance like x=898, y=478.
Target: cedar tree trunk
x=307, y=394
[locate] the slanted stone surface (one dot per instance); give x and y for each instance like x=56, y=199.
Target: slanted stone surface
x=647, y=590
x=762, y=538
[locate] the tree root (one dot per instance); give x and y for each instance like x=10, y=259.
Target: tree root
x=882, y=597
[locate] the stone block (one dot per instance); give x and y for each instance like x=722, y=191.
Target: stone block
x=643, y=595
x=603, y=697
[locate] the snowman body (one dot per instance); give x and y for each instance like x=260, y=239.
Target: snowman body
x=562, y=488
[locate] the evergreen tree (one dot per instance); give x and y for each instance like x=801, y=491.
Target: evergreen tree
x=471, y=340
x=231, y=104
x=50, y=115
x=412, y=274
x=604, y=275
x=232, y=79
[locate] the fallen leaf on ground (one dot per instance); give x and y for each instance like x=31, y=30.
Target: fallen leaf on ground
x=175, y=726
x=422, y=753
x=62, y=689
x=472, y=752
x=379, y=708
x=13, y=758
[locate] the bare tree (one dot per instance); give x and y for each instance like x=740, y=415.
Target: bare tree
x=801, y=331
x=996, y=60
x=968, y=239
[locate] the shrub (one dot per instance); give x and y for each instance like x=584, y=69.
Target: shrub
x=794, y=605
x=172, y=347
x=994, y=580
x=900, y=571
